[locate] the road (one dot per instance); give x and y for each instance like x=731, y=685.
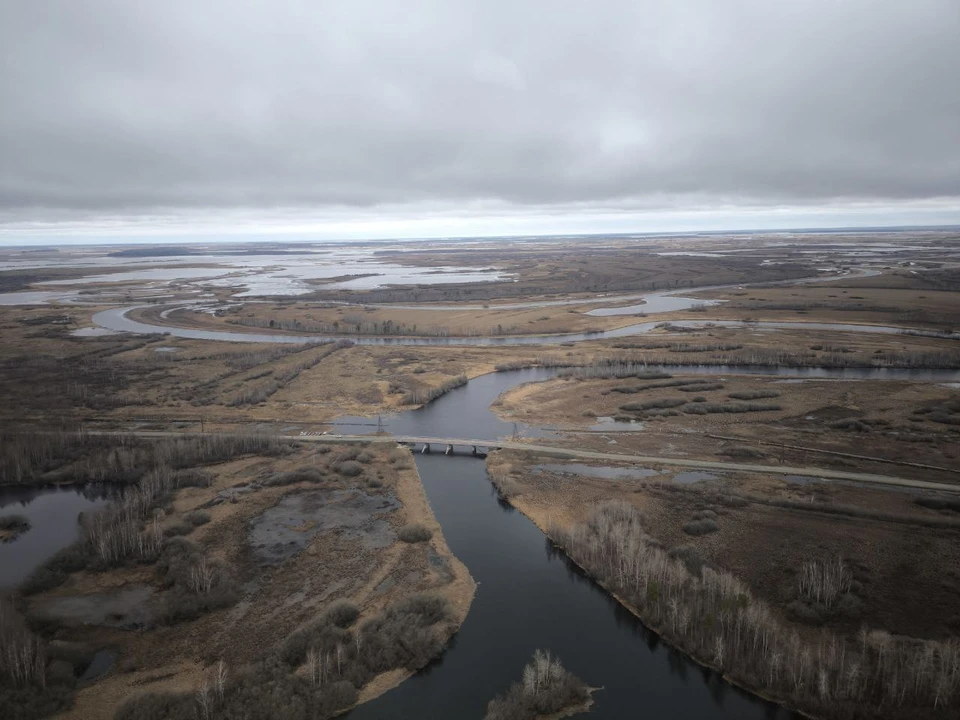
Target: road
x=646, y=460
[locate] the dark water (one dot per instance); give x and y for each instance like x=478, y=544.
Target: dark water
x=464, y=412
x=52, y=512
x=528, y=597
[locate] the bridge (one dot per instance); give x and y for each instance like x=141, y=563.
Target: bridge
x=572, y=453
x=427, y=444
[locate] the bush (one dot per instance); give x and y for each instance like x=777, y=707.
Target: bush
x=506, y=486
x=939, y=503
x=12, y=527
x=753, y=394
x=415, y=533
x=343, y=613
x=547, y=688
x=700, y=527
x=304, y=474
x=405, y=636
x=654, y=404
x=179, y=528
x=741, y=451
x=701, y=387
x=158, y=706
x=691, y=557
x=198, y=584
x=197, y=517
x=193, y=477
x=731, y=407
x=350, y=468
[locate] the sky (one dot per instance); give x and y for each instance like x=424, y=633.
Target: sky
x=304, y=119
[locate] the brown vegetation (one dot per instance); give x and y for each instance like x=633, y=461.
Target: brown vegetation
x=715, y=617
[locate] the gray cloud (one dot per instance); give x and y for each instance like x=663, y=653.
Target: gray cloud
x=113, y=107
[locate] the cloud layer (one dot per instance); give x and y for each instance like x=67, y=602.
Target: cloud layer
x=117, y=108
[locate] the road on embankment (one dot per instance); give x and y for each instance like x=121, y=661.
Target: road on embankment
x=646, y=460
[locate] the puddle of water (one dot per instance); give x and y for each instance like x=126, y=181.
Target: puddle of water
x=597, y=471
x=93, y=332
x=34, y=297
x=52, y=512
x=127, y=609
x=605, y=423
x=102, y=663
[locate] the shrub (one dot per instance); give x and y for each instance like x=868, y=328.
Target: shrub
x=700, y=527
x=654, y=404
x=415, y=533
x=343, y=613
x=506, y=486
x=701, y=387
x=193, y=477
x=179, y=528
x=754, y=394
x=547, y=688
x=691, y=557
x=12, y=527
x=939, y=503
x=740, y=451
x=350, y=468
x=198, y=584
x=731, y=407
x=197, y=517
x=290, y=477
x=822, y=582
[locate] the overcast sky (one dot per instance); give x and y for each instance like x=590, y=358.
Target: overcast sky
x=380, y=118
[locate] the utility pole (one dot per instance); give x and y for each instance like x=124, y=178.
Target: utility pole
x=379, y=424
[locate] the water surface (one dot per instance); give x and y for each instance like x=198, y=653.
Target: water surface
x=52, y=512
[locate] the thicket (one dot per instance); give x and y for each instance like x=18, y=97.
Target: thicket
x=425, y=395
x=653, y=404
x=316, y=671
x=544, y=361
x=711, y=615
x=196, y=584
x=505, y=485
x=415, y=533
x=32, y=684
x=729, y=407
x=359, y=325
x=13, y=526
x=279, y=380
x=81, y=457
x=753, y=394
x=547, y=688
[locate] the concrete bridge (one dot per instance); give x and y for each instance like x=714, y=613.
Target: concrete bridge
x=449, y=444
x=428, y=443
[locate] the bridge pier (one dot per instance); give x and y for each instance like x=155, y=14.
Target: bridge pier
x=426, y=449
x=474, y=450
x=449, y=450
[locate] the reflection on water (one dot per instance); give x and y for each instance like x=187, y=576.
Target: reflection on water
x=530, y=596
x=53, y=512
